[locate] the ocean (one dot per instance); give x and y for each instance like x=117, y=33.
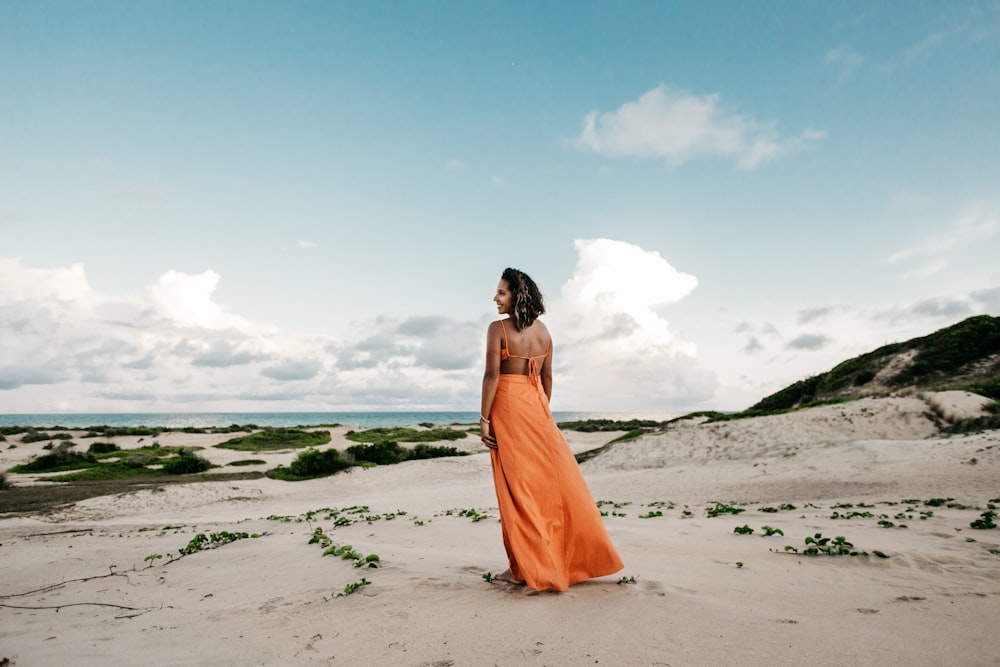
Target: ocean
x=209, y=419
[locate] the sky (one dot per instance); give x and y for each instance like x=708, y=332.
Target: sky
x=306, y=206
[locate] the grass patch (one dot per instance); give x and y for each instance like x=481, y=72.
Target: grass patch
x=57, y=461
x=403, y=434
x=601, y=425
x=105, y=472
x=277, y=438
x=246, y=462
x=631, y=435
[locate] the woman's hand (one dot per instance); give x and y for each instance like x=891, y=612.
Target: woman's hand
x=487, y=435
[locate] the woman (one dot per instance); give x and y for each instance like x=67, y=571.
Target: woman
x=552, y=529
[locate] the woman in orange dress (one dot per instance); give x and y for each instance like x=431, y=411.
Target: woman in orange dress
x=552, y=529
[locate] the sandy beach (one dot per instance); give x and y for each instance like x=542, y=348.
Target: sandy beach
x=82, y=584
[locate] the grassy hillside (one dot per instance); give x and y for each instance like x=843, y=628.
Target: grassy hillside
x=965, y=355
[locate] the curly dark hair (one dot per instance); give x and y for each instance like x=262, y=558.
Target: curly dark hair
x=527, y=303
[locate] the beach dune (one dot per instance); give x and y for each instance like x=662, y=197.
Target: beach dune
x=81, y=584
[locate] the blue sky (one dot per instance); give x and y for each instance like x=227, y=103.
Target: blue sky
x=212, y=206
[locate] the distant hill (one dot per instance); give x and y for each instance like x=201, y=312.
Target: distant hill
x=963, y=356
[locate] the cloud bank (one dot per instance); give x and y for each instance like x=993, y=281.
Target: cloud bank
x=173, y=347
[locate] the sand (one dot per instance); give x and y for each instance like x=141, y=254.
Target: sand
x=693, y=592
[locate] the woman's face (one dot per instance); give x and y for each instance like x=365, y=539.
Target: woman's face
x=503, y=298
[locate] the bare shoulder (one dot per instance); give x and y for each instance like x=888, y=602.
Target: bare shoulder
x=495, y=330
x=542, y=331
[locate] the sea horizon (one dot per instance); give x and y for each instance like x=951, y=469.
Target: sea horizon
x=354, y=419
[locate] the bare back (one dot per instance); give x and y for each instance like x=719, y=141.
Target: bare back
x=519, y=348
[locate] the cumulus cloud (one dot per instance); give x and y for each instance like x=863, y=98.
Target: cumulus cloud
x=172, y=346
x=615, y=350
x=678, y=126
x=187, y=300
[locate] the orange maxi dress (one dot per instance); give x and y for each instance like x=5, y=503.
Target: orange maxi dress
x=552, y=529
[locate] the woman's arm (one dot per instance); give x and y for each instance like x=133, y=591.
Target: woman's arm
x=491, y=379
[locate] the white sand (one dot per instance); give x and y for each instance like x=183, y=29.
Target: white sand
x=272, y=600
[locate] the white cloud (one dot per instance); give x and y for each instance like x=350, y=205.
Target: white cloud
x=678, y=126
x=454, y=164
x=66, y=284
x=614, y=350
x=173, y=347
x=187, y=300
x=308, y=244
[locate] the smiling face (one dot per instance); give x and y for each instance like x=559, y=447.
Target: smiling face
x=503, y=298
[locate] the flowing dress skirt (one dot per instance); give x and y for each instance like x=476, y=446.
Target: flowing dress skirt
x=552, y=529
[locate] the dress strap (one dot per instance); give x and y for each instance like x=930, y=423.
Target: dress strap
x=504, y=327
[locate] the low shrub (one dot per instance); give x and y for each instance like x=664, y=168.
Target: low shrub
x=57, y=461
x=318, y=463
x=387, y=452
x=395, y=434
x=185, y=463
x=384, y=452
x=35, y=436
x=311, y=464
x=102, y=448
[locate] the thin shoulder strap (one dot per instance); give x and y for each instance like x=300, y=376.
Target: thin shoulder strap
x=504, y=327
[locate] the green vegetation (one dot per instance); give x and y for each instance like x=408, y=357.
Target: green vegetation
x=247, y=462
x=723, y=508
x=112, y=431
x=386, y=452
x=201, y=542
x=311, y=464
x=940, y=360
x=383, y=434
x=104, y=472
x=631, y=435
x=595, y=425
x=40, y=436
x=59, y=460
x=102, y=448
x=277, y=438
x=185, y=463
x=4, y=484
x=354, y=587
x=345, y=552
x=836, y=546
x=985, y=521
